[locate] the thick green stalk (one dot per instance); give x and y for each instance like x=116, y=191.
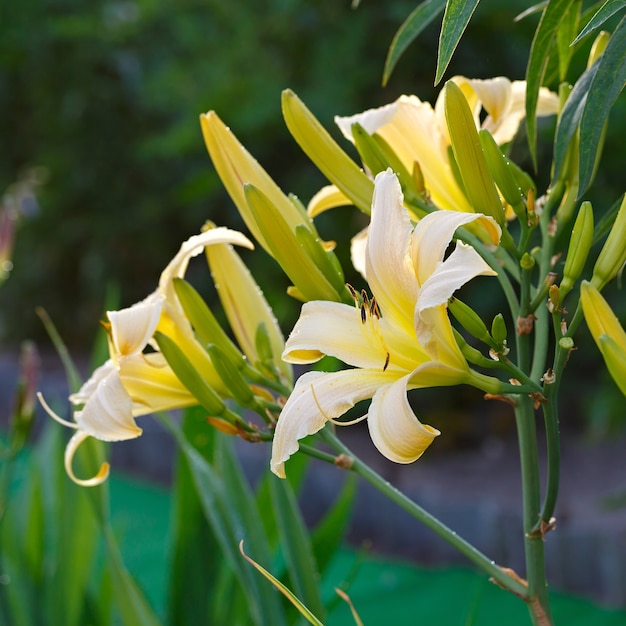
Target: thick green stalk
x=537, y=594
x=468, y=550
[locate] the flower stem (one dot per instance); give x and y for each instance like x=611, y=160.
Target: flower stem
x=468, y=550
x=537, y=594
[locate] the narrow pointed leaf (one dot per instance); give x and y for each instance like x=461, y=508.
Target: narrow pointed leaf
x=605, y=87
x=296, y=545
x=455, y=20
x=194, y=572
x=327, y=537
x=570, y=118
x=564, y=36
x=417, y=21
x=538, y=61
x=283, y=589
x=606, y=11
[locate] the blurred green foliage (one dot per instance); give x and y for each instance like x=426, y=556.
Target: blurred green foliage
x=106, y=96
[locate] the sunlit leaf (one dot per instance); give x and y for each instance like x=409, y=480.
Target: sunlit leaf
x=538, y=61
x=455, y=20
x=417, y=21
x=606, y=11
x=606, y=86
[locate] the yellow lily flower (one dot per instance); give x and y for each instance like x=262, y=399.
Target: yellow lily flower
x=399, y=339
x=606, y=331
x=133, y=383
x=418, y=133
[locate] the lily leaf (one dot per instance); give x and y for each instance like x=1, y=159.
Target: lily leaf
x=606, y=11
x=455, y=20
x=417, y=21
x=538, y=61
x=605, y=87
x=570, y=118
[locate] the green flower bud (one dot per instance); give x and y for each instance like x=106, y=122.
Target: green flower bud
x=498, y=330
x=579, y=246
x=190, y=376
x=471, y=354
x=322, y=149
x=613, y=254
x=326, y=261
x=204, y=323
x=527, y=262
x=502, y=172
x=477, y=180
x=231, y=376
x=471, y=322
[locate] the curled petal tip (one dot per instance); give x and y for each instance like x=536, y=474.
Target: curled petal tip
x=70, y=451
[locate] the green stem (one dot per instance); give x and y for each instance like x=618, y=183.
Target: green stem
x=537, y=597
x=396, y=496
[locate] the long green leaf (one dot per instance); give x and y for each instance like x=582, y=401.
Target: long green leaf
x=417, y=21
x=295, y=542
x=247, y=526
x=606, y=11
x=194, y=570
x=455, y=20
x=564, y=35
x=328, y=535
x=219, y=510
x=570, y=118
x=538, y=61
x=606, y=86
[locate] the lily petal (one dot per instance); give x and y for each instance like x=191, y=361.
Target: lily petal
x=337, y=330
x=409, y=126
x=387, y=263
x=133, y=327
x=70, y=451
x=316, y=398
x=394, y=428
x=358, y=246
x=89, y=387
x=108, y=414
x=328, y=197
x=434, y=233
x=459, y=268
x=152, y=385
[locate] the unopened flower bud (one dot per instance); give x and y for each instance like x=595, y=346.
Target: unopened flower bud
x=613, y=255
x=231, y=376
x=498, y=329
x=470, y=321
x=579, y=246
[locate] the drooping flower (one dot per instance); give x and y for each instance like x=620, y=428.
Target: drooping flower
x=398, y=339
x=133, y=382
x=418, y=134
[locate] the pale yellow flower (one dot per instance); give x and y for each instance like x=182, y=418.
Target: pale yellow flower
x=398, y=339
x=418, y=133
x=133, y=383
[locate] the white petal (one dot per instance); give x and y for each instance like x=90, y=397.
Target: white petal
x=133, y=327
x=371, y=120
x=316, y=398
x=108, y=413
x=358, y=245
x=70, y=451
x=194, y=246
x=460, y=267
x=394, y=428
x=89, y=388
x=433, y=234
x=336, y=330
x=387, y=262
